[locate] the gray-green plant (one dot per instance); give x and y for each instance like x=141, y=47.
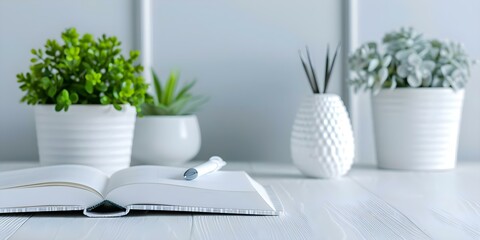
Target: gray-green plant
x=409, y=60
x=83, y=70
x=167, y=100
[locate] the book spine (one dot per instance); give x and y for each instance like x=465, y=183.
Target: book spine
x=106, y=209
x=105, y=214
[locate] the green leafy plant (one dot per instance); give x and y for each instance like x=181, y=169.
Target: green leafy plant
x=82, y=70
x=311, y=74
x=409, y=60
x=168, y=101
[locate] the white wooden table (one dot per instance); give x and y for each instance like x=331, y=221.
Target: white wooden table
x=366, y=204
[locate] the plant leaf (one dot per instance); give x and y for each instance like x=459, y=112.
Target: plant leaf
x=307, y=72
x=331, y=68
x=177, y=106
x=158, y=86
x=170, y=89
x=58, y=107
x=45, y=83
x=194, y=105
x=325, y=80
x=373, y=64
x=85, y=68
x=51, y=91
x=163, y=110
x=317, y=90
x=185, y=89
x=104, y=100
x=74, y=97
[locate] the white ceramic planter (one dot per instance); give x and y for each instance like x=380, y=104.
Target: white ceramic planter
x=94, y=135
x=166, y=140
x=417, y=128
x=322, y=143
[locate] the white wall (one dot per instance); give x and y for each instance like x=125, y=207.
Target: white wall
x=444, y=19
x=243, y=53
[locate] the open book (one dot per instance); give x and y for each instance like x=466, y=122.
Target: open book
x=75, y=187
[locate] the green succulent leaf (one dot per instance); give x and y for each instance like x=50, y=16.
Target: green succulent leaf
x=127, y=90
x=184, y=90
x=45, y=83
x=74, y=97
x=170, y=88
x=52, y=91
x=89, y=87
x=72, y=54
x=170, y=102
x=63, y=101
x=83, y=70
x=104, y=100
x=158, y=87
x=117, y=106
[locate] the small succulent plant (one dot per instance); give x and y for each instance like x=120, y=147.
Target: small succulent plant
x=168, y=101
x=312, y=75
x=83, y=70
x=409, y=60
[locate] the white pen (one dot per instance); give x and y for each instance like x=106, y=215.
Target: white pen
x=212, y=165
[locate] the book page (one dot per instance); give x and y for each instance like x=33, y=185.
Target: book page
x=37, y=198
x=221, y=180
x=158, y=185
x=82, y=177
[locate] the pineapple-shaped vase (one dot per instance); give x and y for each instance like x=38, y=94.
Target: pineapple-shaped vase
x=322, y=142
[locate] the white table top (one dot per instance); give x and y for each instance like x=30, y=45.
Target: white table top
x=366, y=204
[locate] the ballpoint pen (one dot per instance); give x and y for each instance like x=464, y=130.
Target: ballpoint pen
x=212, y=165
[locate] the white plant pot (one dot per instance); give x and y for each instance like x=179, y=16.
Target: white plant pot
x=93, y=135
x=166, y=140
x=322, y=143
x=417, y=128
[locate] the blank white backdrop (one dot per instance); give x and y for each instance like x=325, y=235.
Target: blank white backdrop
x=244, y=54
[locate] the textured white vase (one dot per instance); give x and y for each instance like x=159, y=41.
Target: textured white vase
x=322, y=143
x=166, y=140
x=417, y=128
x=93, y=135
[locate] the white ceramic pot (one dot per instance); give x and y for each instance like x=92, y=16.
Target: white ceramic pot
x=166, y=140
x=94, y=135
x=417, y=128
x=322, y=143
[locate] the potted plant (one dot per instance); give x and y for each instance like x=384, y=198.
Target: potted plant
x=322, y=143
x=417, y=121
x=168, y=133
x=87, y=95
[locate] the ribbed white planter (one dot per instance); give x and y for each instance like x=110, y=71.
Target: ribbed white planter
x=166, y=140
x=417, y=128
x=94, y=135
x=322, y=143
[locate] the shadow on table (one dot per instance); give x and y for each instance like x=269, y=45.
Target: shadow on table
x=365, y=166
x=279, y=175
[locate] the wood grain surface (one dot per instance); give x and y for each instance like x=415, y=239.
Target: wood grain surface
x=366, y=204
